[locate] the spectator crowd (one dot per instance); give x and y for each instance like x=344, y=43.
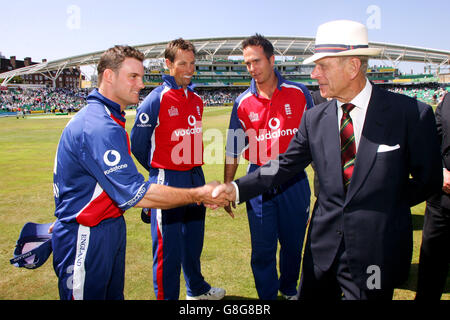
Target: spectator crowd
x=219, y=97
x=71, y=100
x=431, y=96
x=42, y=99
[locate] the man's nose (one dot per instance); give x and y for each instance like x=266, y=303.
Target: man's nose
x=141, y=84
x=315, y=73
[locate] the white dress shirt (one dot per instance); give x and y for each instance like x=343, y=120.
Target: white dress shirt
x=358, y=114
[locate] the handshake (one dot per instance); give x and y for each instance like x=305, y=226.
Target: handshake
x=214, y=195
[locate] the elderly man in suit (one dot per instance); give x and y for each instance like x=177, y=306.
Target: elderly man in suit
x=376, y=154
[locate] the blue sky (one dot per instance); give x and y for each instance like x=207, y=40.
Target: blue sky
x=59, y=29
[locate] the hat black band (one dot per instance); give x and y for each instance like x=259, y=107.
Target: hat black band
x=337, y=47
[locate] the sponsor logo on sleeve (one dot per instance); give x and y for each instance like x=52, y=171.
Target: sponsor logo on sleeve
x=143, y=121
x=112, y=159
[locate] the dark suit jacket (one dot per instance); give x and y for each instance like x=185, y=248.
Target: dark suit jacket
x=374, y=216
x=443, y=128
x=317, y=97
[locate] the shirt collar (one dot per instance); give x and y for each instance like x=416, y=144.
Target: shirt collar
x=171, y=83
x=362, y=99
x=112, y=106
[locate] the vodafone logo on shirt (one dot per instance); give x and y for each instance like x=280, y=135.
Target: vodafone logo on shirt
x=143, y=120
x=111, y=154
x=191, y=130
x=274, y=123
x=191, y=120
x=275, y=133
x=112, y=159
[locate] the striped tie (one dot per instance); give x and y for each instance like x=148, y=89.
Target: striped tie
x=348, y=147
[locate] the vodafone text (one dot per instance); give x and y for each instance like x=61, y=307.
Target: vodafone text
x=263, y=144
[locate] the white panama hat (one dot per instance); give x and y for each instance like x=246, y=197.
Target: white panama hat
x=341, y=38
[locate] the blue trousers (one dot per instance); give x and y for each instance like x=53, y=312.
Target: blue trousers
x=177, y=236
x=90, y=261
x=280, y=214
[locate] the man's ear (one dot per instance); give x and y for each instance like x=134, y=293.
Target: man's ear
x=353, y=67
x=272, y=61
x=169, y=64
x=107, y=75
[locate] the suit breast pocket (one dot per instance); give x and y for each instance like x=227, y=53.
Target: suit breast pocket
x=388, y=167
x=391, y=155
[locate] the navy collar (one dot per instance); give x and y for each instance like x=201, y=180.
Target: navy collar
x=254, y=89
x=171, y=83
x=112, y=106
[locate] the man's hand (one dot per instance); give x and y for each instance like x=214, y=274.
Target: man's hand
x=204, y=195
x=227, y=192
x=446, y=185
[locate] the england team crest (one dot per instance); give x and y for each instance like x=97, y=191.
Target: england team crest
x=173, y=111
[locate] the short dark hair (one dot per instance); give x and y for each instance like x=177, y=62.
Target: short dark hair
x=113, y=58
x=261, y=41
x=173, y=46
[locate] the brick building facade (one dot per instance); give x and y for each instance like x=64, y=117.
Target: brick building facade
x=69, y=77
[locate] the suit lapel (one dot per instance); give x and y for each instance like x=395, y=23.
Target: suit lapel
x=374, y=131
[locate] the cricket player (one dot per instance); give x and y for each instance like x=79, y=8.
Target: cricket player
x=167, y=140
x=263, y=121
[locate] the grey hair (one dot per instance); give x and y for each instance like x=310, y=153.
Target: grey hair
x=364, y=62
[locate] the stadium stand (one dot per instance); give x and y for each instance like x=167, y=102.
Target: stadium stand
x=42, y=100
x=219, y=81
x=49, y=100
